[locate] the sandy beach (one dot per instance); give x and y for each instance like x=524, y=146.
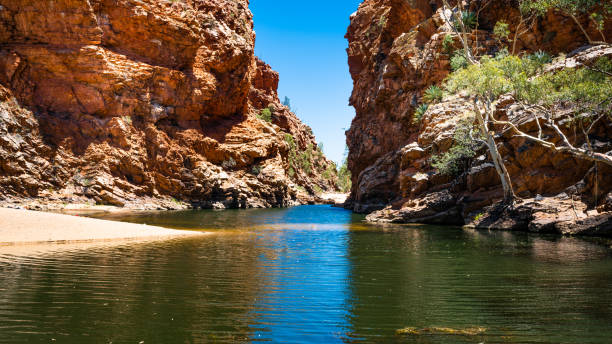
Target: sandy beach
x=32, y=227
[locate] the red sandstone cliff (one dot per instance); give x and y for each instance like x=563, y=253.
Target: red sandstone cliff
x=144, y=102
x=396, y=52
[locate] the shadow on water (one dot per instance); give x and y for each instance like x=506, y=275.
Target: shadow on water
x=311, y=274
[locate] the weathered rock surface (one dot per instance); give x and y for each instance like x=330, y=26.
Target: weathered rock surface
x=546, y=215
x=154, y=103
x=395, y=53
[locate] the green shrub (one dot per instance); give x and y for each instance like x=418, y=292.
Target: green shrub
x=598, y=11
x=458, y=158
x=540, y=58
x=433, y=94
x=459, y=61
x=256, y=170
x=501, y=30
x=265, y=115
x=469, y=19
x=419, y=112
x=330, y=172
x=448, y=44
x=344, y=177
x=585, y=88
x=320, y=153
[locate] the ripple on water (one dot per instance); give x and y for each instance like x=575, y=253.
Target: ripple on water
x=309, y=274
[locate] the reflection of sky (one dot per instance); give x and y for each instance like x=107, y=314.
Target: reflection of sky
x=305, y=299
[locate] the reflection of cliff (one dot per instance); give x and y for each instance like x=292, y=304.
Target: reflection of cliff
x=141, y=292
x=503, y=282
x=125, y=102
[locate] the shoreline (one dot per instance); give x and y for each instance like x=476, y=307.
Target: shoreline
x=26, y=227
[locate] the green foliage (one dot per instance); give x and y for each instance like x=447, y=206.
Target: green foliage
x=305, y=158
x=599, y=11
x=433, y=94
x=299, y=161
x=458, y=158
x=501, y=31
x=290, y=141
x=469, y=19
x=479, y=217
x=585, y=89
x=419, y=112
x=459, y=61
x=330, y=172
x=265, y=115
x=229, y=164
x=317, y=189
x=256, y=170
x=494, y=76
x=540, y=57
x=568, y=6
x=304, y=162
x=292, y=154
x=344, y=177
x=319, y=151
x=382, y=21
x=448, y=44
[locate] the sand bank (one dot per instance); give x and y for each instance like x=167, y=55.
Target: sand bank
x=31, y=227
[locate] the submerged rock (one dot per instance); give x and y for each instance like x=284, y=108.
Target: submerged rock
x=414, y=331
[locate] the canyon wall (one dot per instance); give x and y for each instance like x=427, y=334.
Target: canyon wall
x=396, y=51
x=146, y=103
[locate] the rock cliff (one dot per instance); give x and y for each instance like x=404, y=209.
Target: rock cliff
x=396, y=51
x=146, y=103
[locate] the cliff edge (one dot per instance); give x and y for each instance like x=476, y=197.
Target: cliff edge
x=143, y=103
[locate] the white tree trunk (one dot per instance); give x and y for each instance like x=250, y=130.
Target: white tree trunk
x=482, y=117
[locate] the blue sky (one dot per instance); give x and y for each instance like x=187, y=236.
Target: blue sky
x=304, y=41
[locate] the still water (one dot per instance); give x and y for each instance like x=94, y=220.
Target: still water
x=311, y=274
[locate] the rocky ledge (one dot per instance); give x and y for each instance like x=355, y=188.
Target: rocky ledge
x=146, y=102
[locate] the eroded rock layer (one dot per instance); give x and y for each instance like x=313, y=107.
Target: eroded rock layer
x=145, y=102
x=396, y=51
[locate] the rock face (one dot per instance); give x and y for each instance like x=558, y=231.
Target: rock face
x=127, y=102
x=395, y=53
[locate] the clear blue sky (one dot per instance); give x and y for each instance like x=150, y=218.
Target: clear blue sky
x=304, y=41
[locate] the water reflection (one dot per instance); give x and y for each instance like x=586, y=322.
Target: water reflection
x=309, y=274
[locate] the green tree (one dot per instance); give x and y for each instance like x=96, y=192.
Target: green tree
x=588, y=89
x=344, y=177
x=597, y=10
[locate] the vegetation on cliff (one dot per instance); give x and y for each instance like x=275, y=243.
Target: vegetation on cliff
x=584, y=91
x=458, y=107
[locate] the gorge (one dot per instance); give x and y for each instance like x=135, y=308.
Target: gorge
x=163, y=105
x=155, y=189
